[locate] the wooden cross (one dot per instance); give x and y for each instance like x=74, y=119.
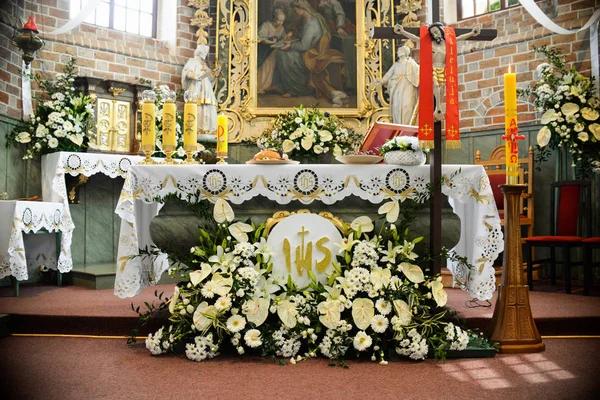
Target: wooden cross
x=436, y=153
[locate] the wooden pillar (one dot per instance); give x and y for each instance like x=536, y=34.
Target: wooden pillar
x=513, y=326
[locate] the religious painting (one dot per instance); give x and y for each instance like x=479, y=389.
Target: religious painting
x=278, y=54
x=306, y=54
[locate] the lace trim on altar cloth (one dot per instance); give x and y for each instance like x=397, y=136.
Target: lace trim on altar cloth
x=467, y=187
x=32, y=218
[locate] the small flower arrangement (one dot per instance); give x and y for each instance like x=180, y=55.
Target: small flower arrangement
x=376, y=300
x=62, y=117
x=571, y=112
x=309, y=132
x=400, y=143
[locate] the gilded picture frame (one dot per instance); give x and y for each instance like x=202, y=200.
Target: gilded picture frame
x=241, y=92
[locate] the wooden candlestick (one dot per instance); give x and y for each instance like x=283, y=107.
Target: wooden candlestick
x=513, y=326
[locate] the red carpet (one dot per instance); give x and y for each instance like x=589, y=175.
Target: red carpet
x=59, y=368
x=76, y=310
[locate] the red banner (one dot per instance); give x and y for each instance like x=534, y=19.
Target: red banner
x=426, y=91
x=452, y=113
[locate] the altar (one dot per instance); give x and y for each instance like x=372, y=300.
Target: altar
x=466, y=186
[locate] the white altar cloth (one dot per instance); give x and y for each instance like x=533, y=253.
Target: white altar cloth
x=29, y=217
x=467, y=187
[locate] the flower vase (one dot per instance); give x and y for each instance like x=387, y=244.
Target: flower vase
x=408, y=157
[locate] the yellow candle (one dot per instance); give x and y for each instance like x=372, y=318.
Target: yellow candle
x=148, y=126
x=511, y=130
x=190, y=125
x=168, y=124
x=222, y=134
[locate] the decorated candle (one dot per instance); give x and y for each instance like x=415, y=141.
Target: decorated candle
x=148, y=120
x=221, y=135
x=190, y=120
x=169, y=136
x=511, y=127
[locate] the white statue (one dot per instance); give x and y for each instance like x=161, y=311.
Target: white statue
x=402, y=82
x=199, y=77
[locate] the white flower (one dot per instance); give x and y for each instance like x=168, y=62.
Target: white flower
x=362, y=341
x=569, y=109
x=298, y=120
x=379, y=323
x=252, y=338
x=210, y=288
x=318, y=149
x=404, y=316
x=583, y=136
x=199, y=275
x=236, y=323
x=549, y=116
x=53, y=143
x=223, y=211
x=589, y=113
x=204, y=316
x=413, y=272
x=543, y=136
x=364, y=223
x=391, y=210
x=337, y=151
x=25, y=137
x=383, y=306
x=288, y=145
x=256, y=310
x=595, y=130
x=306, y=143
x=238, y=231
x=223, y=303
x=325, y=136
x=439, y=294
x=363, y=311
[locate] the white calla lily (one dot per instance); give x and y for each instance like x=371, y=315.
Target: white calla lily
x=239, y=231
x=549, y=116
x=595, y=130
x=288, y=146
x=589, y=113
x=174, y=299
x=403, y=312
x=330, y=313
x=380, y=277
x=439, y=294
x=363, y=311
x=413, y=272
x=306, y=143
x=391, y=209
x=543, y=136
x=364, y=223
x=223, y=211
x=287, y=313
x=204, y=316
x=199, y=275
x=569, y=109
x=256, y=310
x=224, y=284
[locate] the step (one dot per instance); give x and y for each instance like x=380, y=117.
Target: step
x=4, y=318
x=98, y=276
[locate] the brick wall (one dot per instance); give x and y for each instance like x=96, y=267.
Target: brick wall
x=482, y=64
x=100, y=52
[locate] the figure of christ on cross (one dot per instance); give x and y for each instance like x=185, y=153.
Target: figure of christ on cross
x=438, y=49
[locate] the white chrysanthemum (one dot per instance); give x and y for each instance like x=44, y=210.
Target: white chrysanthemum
x=53, y=143
x=209, y=289
x=383, y=306
x=362, y=341
x=379, y=323
x=223, y=303
x=236, y=323
x=252, y=338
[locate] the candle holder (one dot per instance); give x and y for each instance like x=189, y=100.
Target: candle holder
x=148, y=153
x=169, y=150
x=189, y=155
x=222, y=157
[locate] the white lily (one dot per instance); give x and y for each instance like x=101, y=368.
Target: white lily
x=222, y=259
x=391, y=253
x=380, y=277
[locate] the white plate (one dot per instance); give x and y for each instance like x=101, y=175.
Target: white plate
x=272, y=162
x=359, y=159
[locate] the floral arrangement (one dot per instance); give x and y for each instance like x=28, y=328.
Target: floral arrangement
x=62, y=117
x=377, y=300
x=571, y=111
x=400, y=143
x=309, y=132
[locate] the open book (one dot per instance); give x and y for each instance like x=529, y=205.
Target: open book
x=380, y=132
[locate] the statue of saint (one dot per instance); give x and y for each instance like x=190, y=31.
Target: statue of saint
x=402, y=82
x=199, y=77
x=438, y=48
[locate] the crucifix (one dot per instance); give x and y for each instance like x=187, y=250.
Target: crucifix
x=436, y=141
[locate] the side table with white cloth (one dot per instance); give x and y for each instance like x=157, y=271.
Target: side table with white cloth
x=467, y=187
x=21, y=217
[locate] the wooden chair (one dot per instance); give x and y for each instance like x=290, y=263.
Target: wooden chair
x=496, y=170
x=570, y=221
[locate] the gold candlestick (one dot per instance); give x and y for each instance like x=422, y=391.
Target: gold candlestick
x=222, y=157
x=513, y=326
x=189, y=155
x=148, y=150
x=169, y=159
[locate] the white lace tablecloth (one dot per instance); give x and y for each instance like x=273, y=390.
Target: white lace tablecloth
x=56, y=165
x=467, y=187
x=20, y=217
